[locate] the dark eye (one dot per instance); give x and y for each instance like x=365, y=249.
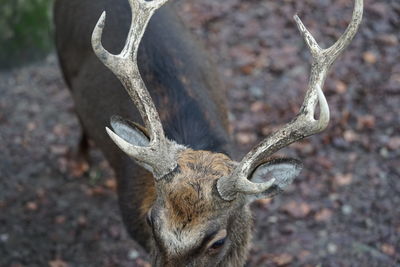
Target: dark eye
x=218, y=244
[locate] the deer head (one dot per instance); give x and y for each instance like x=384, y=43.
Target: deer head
x=200, y=214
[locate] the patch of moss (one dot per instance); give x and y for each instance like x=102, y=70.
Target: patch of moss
x=25, y=30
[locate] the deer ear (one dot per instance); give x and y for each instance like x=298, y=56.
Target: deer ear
x=283, y=171
x=131, y=132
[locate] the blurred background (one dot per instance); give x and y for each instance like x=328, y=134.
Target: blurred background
x=25, y=31
x=344, y=209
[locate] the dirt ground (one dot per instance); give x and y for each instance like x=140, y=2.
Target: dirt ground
x=343, y=210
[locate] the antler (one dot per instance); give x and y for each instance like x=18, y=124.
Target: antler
x=158, y=153
x=304, y=124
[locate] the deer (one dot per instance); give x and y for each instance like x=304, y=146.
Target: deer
x=181, y=195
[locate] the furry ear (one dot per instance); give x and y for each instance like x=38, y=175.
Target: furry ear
x=282, y=170
x=131, y=132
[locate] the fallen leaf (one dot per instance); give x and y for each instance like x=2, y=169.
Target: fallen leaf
x=264, y=202
x=58, y=263
x=296, y=209
x=303, y=255
x=343, y=179
x=388, y=39
x=388, y=249
x=82, y=221
x=78, y=168
x=370, y=57
x=394, y=143
x=282, y=259
x=340, y=87
x=257, y=106
x=350, y=136
x=60, y=219
x=142, y=263
x=33, y=206
x=58, y=149
x=245, y=138
x=323, y=215
x=111, y=183
x=367, y=121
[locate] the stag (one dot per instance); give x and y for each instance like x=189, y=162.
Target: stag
x=194, y=200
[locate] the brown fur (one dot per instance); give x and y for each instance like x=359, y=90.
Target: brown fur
x=189, y=196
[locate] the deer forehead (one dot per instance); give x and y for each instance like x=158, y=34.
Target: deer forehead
x=190, y=204
x=189, y=197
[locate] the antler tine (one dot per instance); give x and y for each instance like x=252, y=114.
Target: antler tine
x=124, y=66
x=304, y=124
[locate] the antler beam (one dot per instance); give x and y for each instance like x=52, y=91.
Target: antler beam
x=125, y=67
x=304, y=124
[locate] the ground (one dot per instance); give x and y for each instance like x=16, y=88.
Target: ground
x=343, y=210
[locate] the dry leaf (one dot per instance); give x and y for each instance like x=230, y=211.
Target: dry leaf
x=297, y=210
x=323, y=215
x=367, y=121
x=369, y=57
x=340, y=87
x=33, y=206
x=111, y=183
x=343, y=179
x=58, y=263
x=394, y=143
x=282, y=259
x=388, y=249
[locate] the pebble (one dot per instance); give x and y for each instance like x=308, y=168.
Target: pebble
x=133, y=254
x=4, y=237
x=332, y=248
x=347, y=210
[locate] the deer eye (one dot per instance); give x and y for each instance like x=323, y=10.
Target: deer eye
x=218, y=244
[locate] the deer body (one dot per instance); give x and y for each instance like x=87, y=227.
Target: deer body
x=185, y=200
x=183, y=85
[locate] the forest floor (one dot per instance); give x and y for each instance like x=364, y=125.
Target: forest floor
x=343, y=210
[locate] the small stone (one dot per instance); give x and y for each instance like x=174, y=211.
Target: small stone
x=332, y=248
x=384, y=152
x=272, y=219
x=347, y=210
x=4, y=237
x=133, y=254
